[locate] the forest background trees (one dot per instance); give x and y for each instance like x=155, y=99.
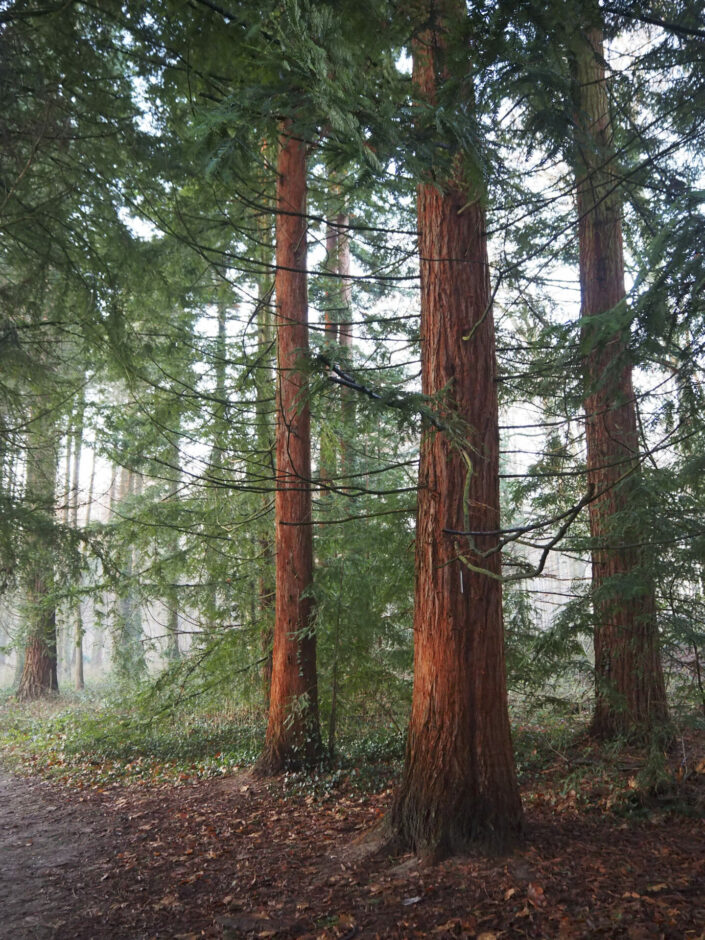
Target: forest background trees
x=259, y=441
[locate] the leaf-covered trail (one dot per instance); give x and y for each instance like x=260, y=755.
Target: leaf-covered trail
x=48, y=844
x=232, y=858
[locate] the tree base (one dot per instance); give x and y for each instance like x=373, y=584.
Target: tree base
x=606, y=726
x=440, y=829
x=279, y=757
x=39, y=676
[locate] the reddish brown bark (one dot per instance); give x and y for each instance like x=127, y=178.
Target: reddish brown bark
x=459, y=784
x=264, y=382
x=630, y=692
x=39, y=670
x=293, y=735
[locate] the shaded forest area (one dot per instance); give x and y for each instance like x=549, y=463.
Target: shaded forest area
x=352, y=558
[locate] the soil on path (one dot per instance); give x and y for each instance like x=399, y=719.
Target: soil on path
x=234, y=859
x=49, y=847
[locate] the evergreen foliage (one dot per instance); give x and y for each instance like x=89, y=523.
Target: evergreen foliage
x=137, y=179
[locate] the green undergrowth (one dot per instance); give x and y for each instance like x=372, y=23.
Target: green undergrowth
x=365, y=763
x=95, y=740
x=90, y=741
x=561, y=767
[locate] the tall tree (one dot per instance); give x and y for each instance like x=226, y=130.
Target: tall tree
x=39, y=672
x=128, y=651
x=459, y=784
x=293, y=734
x=630, y=691
x=78, y=677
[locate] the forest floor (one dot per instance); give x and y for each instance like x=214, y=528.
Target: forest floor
x=240, y=857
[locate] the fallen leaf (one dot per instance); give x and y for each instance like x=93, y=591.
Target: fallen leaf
x=448, y=927
x=168, y=902
x=534, y=893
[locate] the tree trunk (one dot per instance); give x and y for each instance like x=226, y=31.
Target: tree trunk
x=264, y=381
x=630, y=697
x=39, y=672
x=459, y=784
x=129, y=650
x=345, y=338
x=78, y=677
x=327, y=456
x=172, y=651
x=293, y=734
x=219, y=442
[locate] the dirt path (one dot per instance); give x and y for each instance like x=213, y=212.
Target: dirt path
x=233, y=859
x=50, y=850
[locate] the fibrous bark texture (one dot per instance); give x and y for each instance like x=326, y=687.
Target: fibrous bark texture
x=630, y=691
x=293, y=736
x=264, y=384
x=459, y=784
x=39, y=671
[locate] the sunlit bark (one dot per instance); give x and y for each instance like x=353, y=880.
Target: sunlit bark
x=293, y=736
x=459, y=785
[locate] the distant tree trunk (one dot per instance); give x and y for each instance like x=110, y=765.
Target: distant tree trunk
x=327, y=457
x=87, y=522
x=336, y=462
x=630, y=691
x=293, y=733
x=110, y=601
x=78, y=677
x=129, y=650
x=458, y=785
x=66, y=650
x=39, y=673
x=221, y=353
x=172, y=651
x=219, y=441
x=345, y=338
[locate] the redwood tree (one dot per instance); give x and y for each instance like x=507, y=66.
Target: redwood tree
x=459, y=784
x=39, y=671
x=293, y=736
x=630, y=691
